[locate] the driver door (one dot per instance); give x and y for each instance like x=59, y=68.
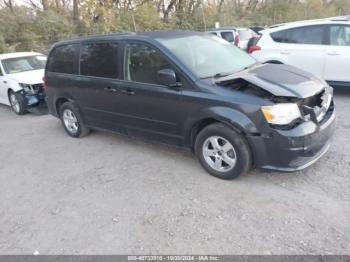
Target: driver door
x=149, y=108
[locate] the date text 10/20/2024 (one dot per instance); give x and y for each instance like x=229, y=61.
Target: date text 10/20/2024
x=173, y=258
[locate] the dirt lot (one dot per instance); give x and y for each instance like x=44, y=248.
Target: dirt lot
x=108, y=194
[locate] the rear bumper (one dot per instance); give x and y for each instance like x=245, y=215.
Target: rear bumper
x=296, y=149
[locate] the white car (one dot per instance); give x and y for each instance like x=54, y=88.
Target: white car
x=21, y=80
x=238, y=36
x=321, y=47
x=227, y=33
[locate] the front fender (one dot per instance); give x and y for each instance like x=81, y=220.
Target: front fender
x=13, y=85
x=229, y=116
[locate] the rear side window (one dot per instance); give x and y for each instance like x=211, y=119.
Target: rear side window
x=340, y=35
x=99, y=59
x=228, y=36
x=63, y=59
x=308, y=35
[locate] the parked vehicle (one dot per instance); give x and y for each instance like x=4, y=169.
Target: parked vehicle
x=243, y=37
x=193, y=90
x=227, y=33
x=21, y=84
x=321, y=47
x=238, y=36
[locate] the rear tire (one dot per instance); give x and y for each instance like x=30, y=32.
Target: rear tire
x=72, y=121
x=17, y=103
x=223, y=152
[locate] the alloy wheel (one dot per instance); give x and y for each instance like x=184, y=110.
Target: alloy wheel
x=70, y=121
x=219, y=153
x=14, y=103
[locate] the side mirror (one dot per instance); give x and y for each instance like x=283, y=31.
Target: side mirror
x=167, y=77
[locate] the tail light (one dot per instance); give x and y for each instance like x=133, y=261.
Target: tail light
x=237, y=40
x=45, y=83
x=254, y=48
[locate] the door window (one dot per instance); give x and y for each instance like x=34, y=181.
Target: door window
x=0, y=71
x=310, y=35
x=142, y=63
x=99, y=59
x=228, y=36
x=340, y=35
x=278, y=36
x=63, y=59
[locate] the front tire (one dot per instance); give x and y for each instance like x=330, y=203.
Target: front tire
x=72, y=120
x=17, y=103
x=223, y=152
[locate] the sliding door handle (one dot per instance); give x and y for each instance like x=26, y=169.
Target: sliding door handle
x=128, y=92
x=109, y=89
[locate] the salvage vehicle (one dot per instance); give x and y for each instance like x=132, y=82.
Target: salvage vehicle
x=21, y=84
x=193, y=90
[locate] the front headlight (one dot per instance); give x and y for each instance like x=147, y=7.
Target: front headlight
x=281, y=114
x=27, y=88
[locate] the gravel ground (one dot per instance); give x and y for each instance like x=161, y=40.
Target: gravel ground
x=107, y=194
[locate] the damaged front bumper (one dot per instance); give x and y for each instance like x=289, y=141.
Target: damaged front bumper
x=295, y=149
x=34, y=97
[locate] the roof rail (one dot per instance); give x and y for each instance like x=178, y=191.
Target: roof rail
x=334, y=18
x=100, y=35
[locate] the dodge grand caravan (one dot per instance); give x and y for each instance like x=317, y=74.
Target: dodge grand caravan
x=193, y=90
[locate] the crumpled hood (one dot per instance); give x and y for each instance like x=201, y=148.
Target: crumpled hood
x=280, y=80
x=28, y=77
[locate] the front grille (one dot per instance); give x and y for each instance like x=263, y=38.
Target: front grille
x=317, y=106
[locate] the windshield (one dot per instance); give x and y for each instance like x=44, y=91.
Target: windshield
x=22, y=64
x=208, y=56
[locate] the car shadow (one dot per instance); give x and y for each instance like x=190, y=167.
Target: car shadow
x=342, y=90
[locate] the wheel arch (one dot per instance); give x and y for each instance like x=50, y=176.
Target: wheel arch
x=59, y=102
x=274, y=61
x=227, y=116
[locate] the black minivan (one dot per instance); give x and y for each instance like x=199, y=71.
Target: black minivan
x=192, y=90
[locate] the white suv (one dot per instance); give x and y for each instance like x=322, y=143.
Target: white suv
x=321, y=47
x=21, y=84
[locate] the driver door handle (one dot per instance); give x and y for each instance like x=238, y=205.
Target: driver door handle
x=333, y=53
x=285, y=52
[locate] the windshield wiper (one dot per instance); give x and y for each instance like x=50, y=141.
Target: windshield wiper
x=247, y=67
x=218, y=75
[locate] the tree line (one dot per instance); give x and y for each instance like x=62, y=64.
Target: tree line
x=34, y=25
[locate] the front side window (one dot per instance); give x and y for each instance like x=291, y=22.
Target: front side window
x=23, y=64
x=99, y=59
x=339, y=35
x=228, y=36
x=309, y=35
x=63, y=59
x=207, y=55
x=142, y=63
